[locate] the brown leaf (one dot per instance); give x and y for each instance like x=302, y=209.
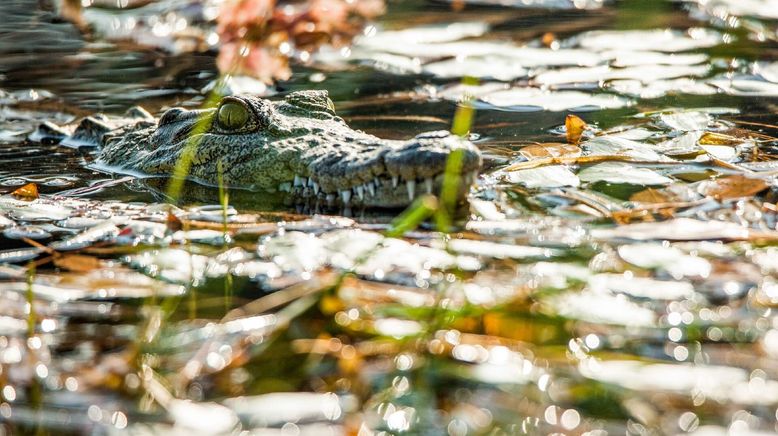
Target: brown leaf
x=574, y=126
x=650, y=195
x=550, y=149
x=732, y=187
x=174, y=224
x=77, y=262
x=26, y=192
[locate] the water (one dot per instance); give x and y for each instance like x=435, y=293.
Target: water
x=629, y=291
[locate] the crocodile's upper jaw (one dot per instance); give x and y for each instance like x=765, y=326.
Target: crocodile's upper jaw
x=297, y=145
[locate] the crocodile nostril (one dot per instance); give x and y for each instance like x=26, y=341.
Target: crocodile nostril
x=171, y=115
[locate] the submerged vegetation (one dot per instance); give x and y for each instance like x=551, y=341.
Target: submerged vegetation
x=614, y=271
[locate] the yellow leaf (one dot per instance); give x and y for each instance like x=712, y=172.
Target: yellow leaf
x=574, y=126
x=27, y=192
x=712, y=138
x=733, y=187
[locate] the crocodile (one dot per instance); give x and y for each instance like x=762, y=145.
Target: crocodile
x=297, y=146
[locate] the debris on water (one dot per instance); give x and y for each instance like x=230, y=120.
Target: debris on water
x=615, y=275
x=26, y=192
x=619, y=172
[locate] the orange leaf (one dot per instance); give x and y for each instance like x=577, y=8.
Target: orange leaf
x=732, y=187
x=27, y=192
x=574, y=126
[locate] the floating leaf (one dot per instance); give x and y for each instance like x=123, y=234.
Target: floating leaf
x=722, y=152
x=631, y=58
x=549, y=176
x=619, y=172
x=77, y=262
x=536, y=151
x=617, y=146
x=689, y=121
x=533, y=99
x=650, y=195
x=734, y=186
x=604, y=73
x=649, y=40
x=574, y=128
x=678, y=229
x=26, y=192
x=492, y=67
x=715, y=138
x=660, y=88
x=746, y=87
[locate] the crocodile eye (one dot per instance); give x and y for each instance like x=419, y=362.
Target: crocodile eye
x=232, y=115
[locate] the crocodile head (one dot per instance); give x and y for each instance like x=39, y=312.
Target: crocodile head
x=297, y=145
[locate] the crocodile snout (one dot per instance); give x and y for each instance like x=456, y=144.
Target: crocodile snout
x=388, y=174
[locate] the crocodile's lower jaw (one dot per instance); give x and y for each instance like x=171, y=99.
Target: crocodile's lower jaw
x=382, y=192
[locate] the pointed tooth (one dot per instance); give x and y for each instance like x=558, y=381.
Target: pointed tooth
x=360, y=190
x=315, y=188
x=377, y=183
x=395, y=181
x=311, y=182
x=345, y=195
x=411, y=186
x=428, y=184
x=298, y=181
x=371, y=189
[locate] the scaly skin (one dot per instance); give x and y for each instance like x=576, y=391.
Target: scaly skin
x=297, y=145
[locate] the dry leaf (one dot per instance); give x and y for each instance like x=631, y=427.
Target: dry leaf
x=713, y=138
x=650, y=195
x=575, y=127
x=174, y=224
x=27, y=192
x=77, y=262
x=550, y=149
x=732, y=187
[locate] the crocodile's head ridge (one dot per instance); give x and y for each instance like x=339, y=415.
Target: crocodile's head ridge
x=297, y=145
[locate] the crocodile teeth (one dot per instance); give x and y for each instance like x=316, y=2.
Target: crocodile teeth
x=370, y=189
x=428, y=184
x=345, y=195
x=411, y=186
x=299, y=181
x=315, y=188
x=395, y=181
x=377, y=182
x=311, y=182
x=360, y=190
